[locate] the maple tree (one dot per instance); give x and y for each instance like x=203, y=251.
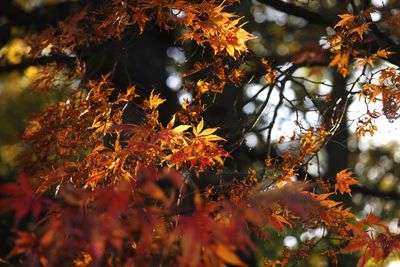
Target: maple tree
x=120, y=173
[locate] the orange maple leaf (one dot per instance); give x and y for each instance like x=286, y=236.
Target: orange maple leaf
x=226, y=254
x=384, y=53
x=344, y=180
x=346, y=20
x=361, y=29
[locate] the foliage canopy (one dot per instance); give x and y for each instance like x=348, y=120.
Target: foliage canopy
x=119, y=173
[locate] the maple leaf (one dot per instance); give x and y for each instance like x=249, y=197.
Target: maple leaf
x=171, y=123
x=24, y=242
x=372, y=220
x=322, y=198
x=178, y=129
x=153, y=101
x=270, y=75
x=33, y=128
x=344, y=180
x=181, y=128
x=355, y=245
x=279, y=222
x=346, y=20
x=21, y=198
x=236, y=44
x=128, y=215
x=221, y=31
x=372, y=91
x=384, y=53
x=342, y=61
x=365, y=60
x=360, y=30
x=227, y=255
x=84, y=260
x=154, y=191
x=206, y=134
x=202, y=86
x=335, y=43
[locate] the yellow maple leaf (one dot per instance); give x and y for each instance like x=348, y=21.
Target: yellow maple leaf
x=181, y=128
x=206, y=134
x=154, y=101
x=202, y=86
x=335, y=43
x=221, y=31
x=197, y=130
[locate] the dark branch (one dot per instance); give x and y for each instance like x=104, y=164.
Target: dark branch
x=39, y=18
x=381, y=39
x=16, y=14
x=37, y=62
x=301, y=12
x=386, y=42
x=375, y=192
x=5, y=33
x=365, y=191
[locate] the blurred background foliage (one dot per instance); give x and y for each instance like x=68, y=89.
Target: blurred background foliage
x=18, y=103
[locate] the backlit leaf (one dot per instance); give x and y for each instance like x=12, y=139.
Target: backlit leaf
x=227, y=255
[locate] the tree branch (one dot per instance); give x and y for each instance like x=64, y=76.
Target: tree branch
x=17, y=14
x=39, y=18
x=374, y=192
x=5, y=33
x=298, y=11
x=38, y=61
x=384, y=41
x=314, y=18
x=365, y=191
